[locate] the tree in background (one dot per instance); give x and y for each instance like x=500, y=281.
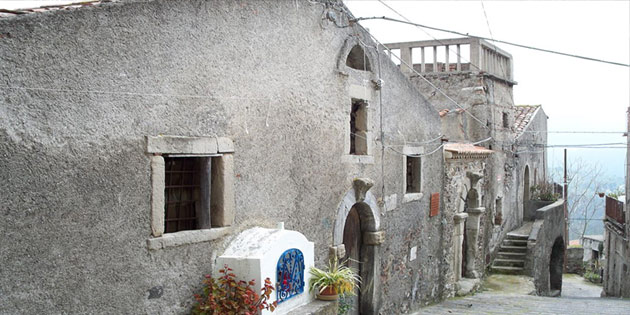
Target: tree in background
x=586, y=208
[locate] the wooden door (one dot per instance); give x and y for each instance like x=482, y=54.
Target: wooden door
x=352, y=242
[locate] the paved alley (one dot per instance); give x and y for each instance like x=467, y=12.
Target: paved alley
x=504, y=294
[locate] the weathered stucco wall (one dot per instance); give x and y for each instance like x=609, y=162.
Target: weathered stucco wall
x=574, y=260
x=92, y=83
x=544, y=256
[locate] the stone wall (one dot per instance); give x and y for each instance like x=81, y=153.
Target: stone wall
x=574, y=260
x=617, y=264
x=545, y=248
x=92, y=83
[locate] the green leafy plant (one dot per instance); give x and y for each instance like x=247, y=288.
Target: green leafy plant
x=225, y=295
x=341, y=278
x=345, y=304
x=592, y=272
x=543, y=191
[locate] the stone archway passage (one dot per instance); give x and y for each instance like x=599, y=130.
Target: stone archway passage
x=556, y=261
x=364, y=238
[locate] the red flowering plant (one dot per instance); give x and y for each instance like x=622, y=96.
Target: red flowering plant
x=225, y=295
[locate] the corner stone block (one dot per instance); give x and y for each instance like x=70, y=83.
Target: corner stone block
x=223, y=202
x=157, y=195
x=374, y=238
x=361, y=187
x=338, y=251
x=177, y=144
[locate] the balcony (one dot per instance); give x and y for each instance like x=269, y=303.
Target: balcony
x=454, y=56
x=615, y=212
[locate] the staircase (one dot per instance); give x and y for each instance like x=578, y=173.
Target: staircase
x=511, y=256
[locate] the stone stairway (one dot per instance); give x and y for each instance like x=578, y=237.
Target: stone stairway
x=511, y=256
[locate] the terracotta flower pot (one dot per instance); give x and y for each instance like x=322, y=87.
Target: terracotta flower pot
x=328, y=295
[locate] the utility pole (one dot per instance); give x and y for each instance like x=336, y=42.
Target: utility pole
x=566, y=211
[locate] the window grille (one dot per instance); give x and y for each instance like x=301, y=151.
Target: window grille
x=182, y=193
x=289, y=275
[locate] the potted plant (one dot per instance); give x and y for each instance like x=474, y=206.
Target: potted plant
x=225, y=295
x=339, y=279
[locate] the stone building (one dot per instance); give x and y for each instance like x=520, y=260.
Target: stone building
x=487, y=189
x=142, y=141
x=616, y=244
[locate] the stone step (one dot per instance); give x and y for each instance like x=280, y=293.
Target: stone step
x=516, y=236
x=507, y=270
x=515, y=242
x=514, y=249
x=511, y=255
x=499, y=262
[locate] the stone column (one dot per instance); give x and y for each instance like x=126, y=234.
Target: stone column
x=472, y=233
x=458, y=239
x=370, y=284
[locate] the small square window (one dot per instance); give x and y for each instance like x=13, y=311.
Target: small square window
x=192, y=183
x=186, y=203
x=413, y=174
x=358, y=128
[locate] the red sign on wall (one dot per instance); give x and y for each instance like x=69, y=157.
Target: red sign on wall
x=435, y=204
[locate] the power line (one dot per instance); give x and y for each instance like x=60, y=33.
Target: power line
x=490, y=39
x=581, y=132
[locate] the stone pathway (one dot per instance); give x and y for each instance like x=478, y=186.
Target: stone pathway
x=506, y=294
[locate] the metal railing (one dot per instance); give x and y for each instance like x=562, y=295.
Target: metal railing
x=483, y=57
x=614, y=210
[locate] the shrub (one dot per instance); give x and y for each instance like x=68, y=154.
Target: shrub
x=225, y=295
x=543, y=191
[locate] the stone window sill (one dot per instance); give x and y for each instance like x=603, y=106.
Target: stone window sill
x=187, y=237
x=412, y=197
x=357, y=159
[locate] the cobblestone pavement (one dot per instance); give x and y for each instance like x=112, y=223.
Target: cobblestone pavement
x=508, y=295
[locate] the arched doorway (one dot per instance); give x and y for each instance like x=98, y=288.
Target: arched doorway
x=526, y=184
x=556, y=261
x=353, y=243
x=357, y=231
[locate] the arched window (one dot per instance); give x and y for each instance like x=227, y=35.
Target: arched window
x=289, y=275
x=357, y=59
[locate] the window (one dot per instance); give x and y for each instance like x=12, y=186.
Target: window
x=506, y=123
x=358, y=128
x=192, y=179
x=357, y=59
x=186, y=193
x=413, y=174
x=498, y=214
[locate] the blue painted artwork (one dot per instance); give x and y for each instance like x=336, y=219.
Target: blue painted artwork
x=289, y=275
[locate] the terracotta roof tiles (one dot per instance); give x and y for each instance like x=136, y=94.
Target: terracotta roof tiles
x=524, y=114
x=47, y=8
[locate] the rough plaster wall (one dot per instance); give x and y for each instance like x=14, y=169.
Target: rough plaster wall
x=409, y=284
x=76, y=179
x=551, y=223
x=617, y=256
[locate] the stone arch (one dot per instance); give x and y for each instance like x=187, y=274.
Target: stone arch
x=355, y=55
x=556, y=262
x=359, y=201
x=357, y=59
x=526, y=183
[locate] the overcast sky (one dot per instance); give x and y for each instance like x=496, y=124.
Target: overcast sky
x=577, y=95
